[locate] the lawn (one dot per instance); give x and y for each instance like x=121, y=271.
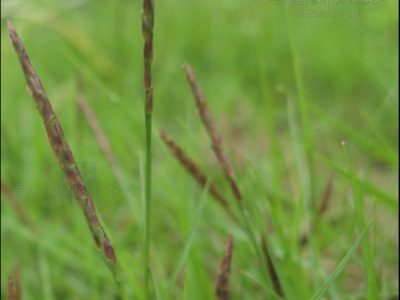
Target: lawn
x=304, y=95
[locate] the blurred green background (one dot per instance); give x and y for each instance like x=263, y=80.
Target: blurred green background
x=282, y=87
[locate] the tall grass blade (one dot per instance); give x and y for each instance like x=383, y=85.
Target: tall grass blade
x=193, y=233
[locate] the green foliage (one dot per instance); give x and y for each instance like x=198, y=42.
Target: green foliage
x=284, y=92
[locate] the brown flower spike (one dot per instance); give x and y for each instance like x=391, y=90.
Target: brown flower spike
x=64, y=155
x=191, y=167
x=221, y=289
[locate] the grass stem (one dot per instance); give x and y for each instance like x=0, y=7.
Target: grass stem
x=147, y=31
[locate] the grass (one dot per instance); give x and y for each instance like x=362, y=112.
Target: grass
x=147, y=31
x=284, y=92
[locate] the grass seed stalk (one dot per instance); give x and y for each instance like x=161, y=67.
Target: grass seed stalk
x=65, y=158
x=221, y=288
x=147, y=31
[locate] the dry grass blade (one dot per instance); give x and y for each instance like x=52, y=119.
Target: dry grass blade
x=323, y=206
x=16, y=204
x=271, y=269
x=212, y=131
x=325, y=197
x=13, y=286
x=64, y=156
x=98, y=132
x=221, y=289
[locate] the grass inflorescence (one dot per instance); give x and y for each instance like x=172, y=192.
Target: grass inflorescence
x=221, y=289
x=65, y=158
x=147, y=31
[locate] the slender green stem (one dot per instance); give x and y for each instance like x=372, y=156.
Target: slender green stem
x=147, y=31
x=310, y=189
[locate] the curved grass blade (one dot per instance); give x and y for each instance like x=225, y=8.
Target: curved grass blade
x=322, y=290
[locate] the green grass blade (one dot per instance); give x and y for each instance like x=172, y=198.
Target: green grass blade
x=322, y=290
x=191, y=238
x=364, y=185
x=365, y=142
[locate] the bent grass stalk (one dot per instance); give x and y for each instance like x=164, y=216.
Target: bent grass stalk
x=216, y=143
x=221, y=289
x=209, y=124
x=193, y=169
x=322, y=208
x=147, y=31
x=65, y=158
